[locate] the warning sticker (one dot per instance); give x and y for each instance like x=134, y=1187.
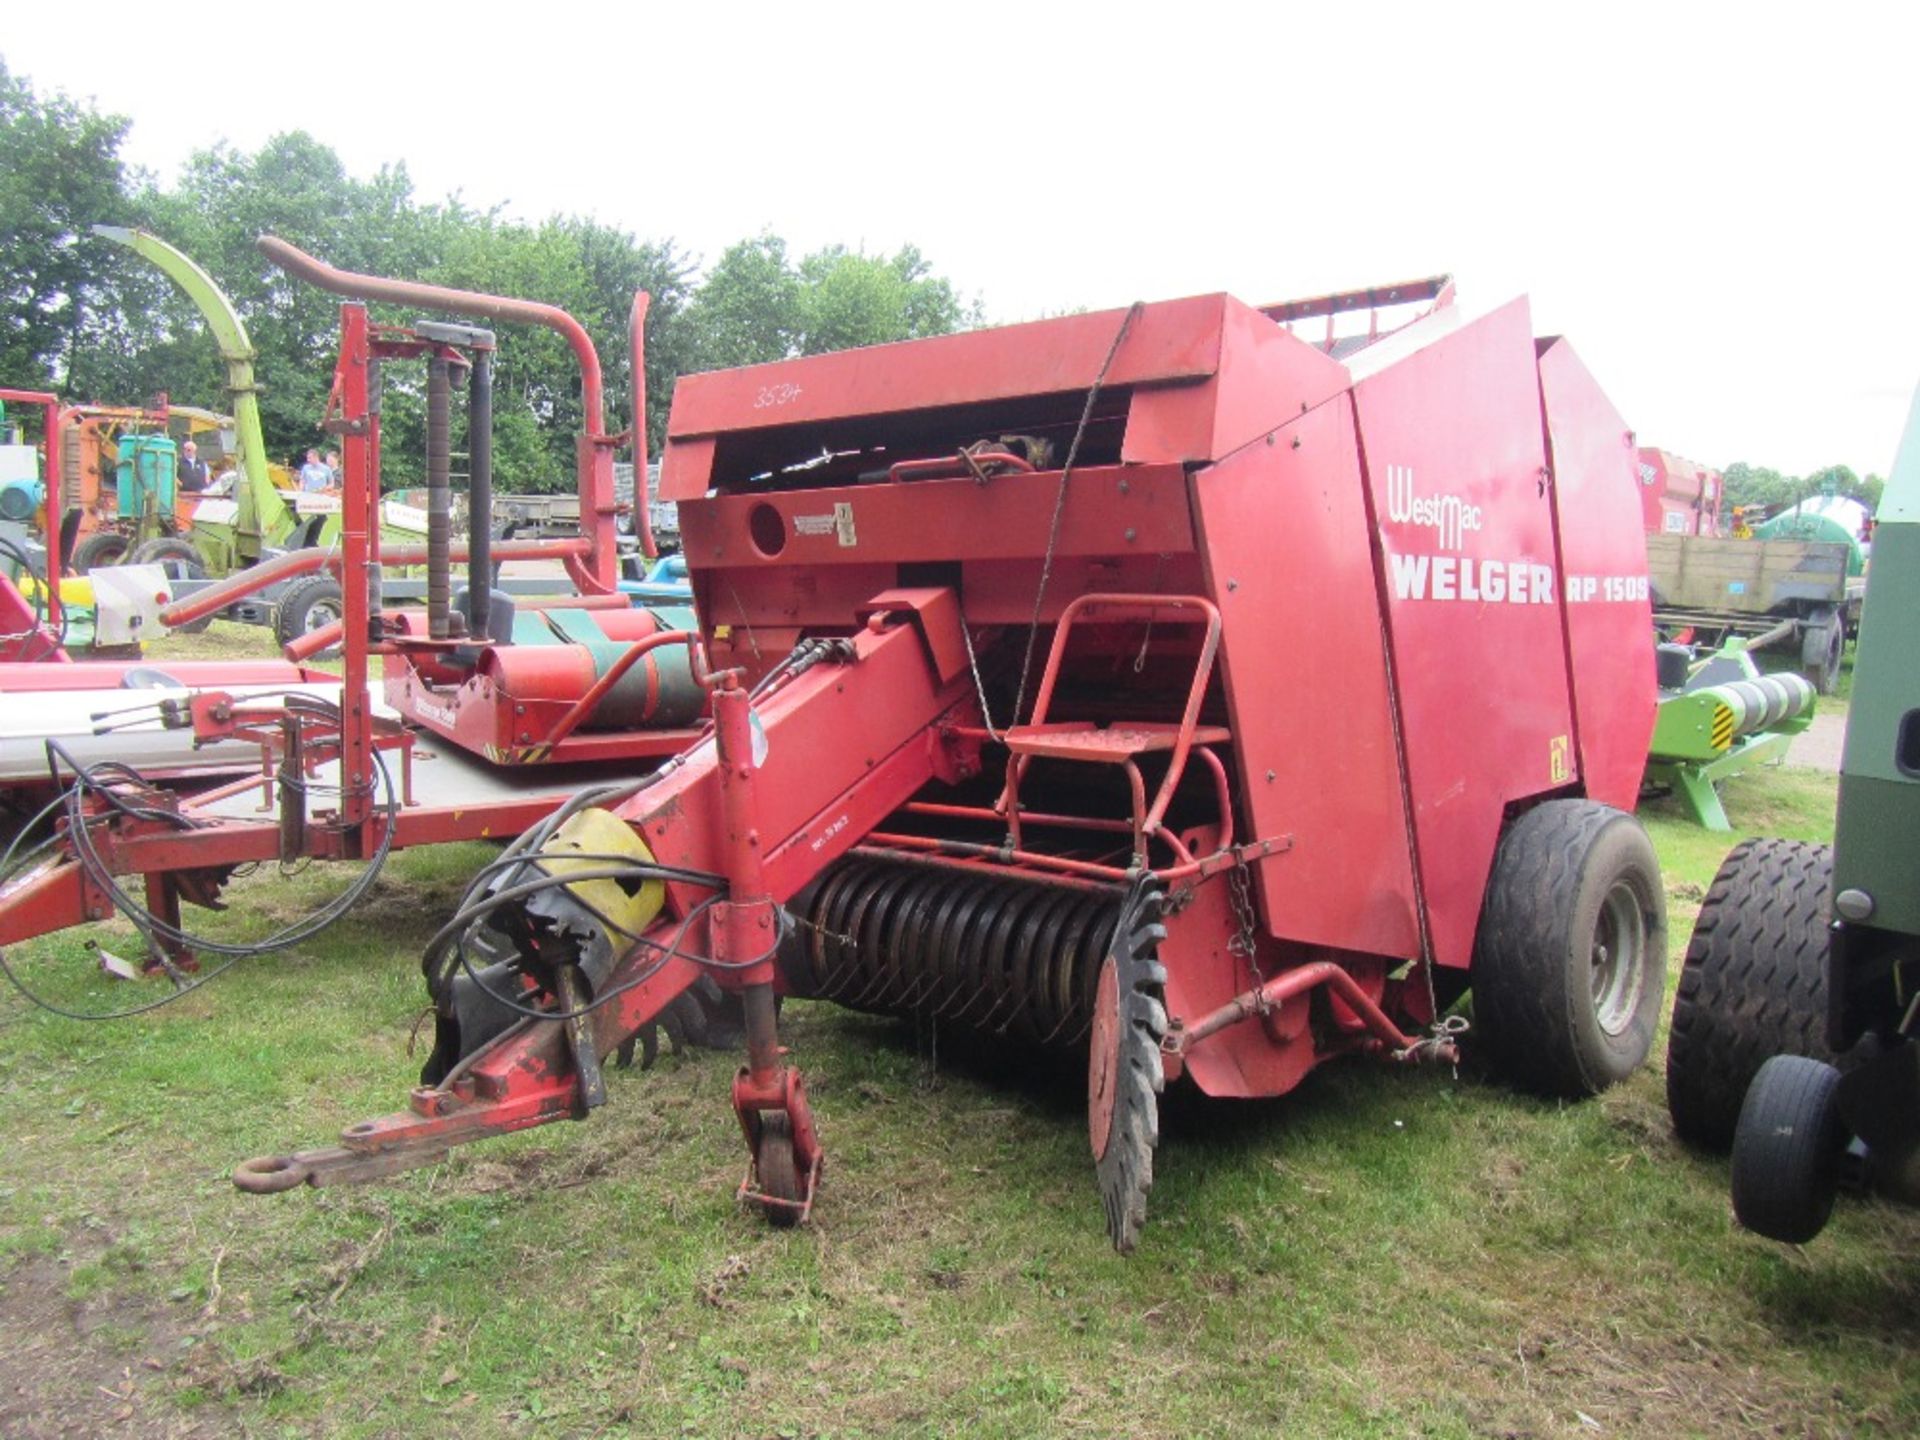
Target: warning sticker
x=1560, y=759
x=839, y=524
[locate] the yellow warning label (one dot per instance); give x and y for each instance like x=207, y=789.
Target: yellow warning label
x=1560, y=759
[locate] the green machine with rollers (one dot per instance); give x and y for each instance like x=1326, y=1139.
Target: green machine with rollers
x=1718, y=716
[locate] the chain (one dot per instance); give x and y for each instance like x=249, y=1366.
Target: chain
x=1243, y=943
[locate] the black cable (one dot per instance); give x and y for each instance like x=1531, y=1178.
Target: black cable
x=7, y=870
x=667, y=953
x=81, y=838
x=471, y=913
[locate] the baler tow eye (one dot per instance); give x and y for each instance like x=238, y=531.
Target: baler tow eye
x=270, y=1174
x=334, y=1165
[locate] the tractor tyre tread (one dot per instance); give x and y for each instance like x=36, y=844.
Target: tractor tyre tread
x=290, y=614
x=1753, y=985
x=102, y=547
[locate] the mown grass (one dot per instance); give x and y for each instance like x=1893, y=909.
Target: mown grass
x=1379, y=1253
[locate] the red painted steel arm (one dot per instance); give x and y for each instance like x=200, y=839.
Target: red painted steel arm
x=355, y=286
x=595, y=568
x=843, y=748
x=642, y=487
x=53, y=423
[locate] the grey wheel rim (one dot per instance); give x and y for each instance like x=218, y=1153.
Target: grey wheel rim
x=321, y=614
x=1619, y=957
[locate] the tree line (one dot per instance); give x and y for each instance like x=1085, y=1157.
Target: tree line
x=1746, y=484
x=95, y=323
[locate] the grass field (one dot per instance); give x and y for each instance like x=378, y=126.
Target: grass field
x=1379, y=1253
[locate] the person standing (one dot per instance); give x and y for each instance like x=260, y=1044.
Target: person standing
x=314, y=475
x=192, y=470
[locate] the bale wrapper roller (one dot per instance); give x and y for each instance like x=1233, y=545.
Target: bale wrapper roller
x=1150, y=682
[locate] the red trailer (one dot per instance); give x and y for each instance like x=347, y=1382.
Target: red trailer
x=1150, y=682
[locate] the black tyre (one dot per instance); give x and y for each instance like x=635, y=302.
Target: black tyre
x=1787, y=1149
x=1754, y=984
x=775, y=1168
x=306, y=605
x=181, y=561
x=1569, y=965
x=1821, y=650
x=103, y=547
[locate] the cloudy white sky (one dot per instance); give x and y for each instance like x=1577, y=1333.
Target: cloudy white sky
x=1715, y=202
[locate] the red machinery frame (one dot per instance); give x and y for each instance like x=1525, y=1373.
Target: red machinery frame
x=24, y=638
x=193, y=864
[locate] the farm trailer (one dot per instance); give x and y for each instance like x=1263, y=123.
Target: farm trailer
x=1764, y=593
x=995, y=725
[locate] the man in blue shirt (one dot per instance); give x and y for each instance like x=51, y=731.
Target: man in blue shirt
x=314, y=475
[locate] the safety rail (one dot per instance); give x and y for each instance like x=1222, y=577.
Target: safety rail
x=1122, y=744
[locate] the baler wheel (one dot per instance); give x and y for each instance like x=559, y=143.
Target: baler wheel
x=774, y=1168
x=1124, y=1071
x=1569, y=966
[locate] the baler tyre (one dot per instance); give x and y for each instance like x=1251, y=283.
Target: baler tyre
x=1787, y=1149
x=774, y=1167
x=1753, y=985
x=182, y=561
x=1124, y=1071
x=103, y=547
x=1569, y=965
x=306, y=605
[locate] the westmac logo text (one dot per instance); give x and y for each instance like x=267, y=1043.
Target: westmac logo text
x=1449, y=516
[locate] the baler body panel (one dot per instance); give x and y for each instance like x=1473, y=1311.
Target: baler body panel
x=1603, y=559
x=1288, y=551
x=1383, y=552
x=1213, y=374
x=1456, y=471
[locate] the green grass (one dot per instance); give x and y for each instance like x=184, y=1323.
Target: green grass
x=1379, y=1253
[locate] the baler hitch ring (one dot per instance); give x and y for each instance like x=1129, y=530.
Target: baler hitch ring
x=272, y=1174
x=336, y=1165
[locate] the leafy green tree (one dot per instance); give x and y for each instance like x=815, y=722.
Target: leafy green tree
x=111, y=328
x=748, y=308
x=851, y=299
x=60, y=172
x=1757, y=485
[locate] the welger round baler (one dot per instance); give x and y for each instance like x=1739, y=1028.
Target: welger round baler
x=1154, y=683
